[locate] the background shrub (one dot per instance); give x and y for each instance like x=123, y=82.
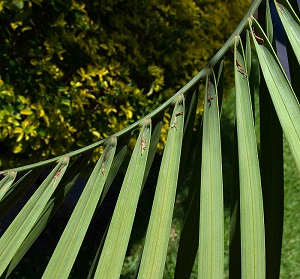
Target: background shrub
x=74, y=72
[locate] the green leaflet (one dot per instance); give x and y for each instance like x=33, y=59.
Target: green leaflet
x=115, y=246
x=290, y=22
x=13, y=237
x=66, y=184
x=281, y=92
x=17, y=191
x=6, y=183
x=157, y=238
x=69, y=244
x=211, y=233
x=251, y=204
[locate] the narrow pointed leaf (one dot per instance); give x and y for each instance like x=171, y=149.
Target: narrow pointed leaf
x=13, y=237
x=115, y=246
x=251, y=204
x=158, y=233
x=6, y=183
x=211, y=233
x=282, y=94
x=291, y=25
x=17, y=191
x=69, y=244
x=53, y=204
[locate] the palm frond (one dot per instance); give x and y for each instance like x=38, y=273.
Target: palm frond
x=193, y=147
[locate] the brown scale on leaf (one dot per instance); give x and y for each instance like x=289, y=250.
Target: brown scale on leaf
x=240, y=68
x=143, y=144
x=209, y=98
x=56, y=176
x=175, y=119
x=278, y=6
x=102, y=165
x=259, y=40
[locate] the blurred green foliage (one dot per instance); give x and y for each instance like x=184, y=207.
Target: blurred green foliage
x=74, y=72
